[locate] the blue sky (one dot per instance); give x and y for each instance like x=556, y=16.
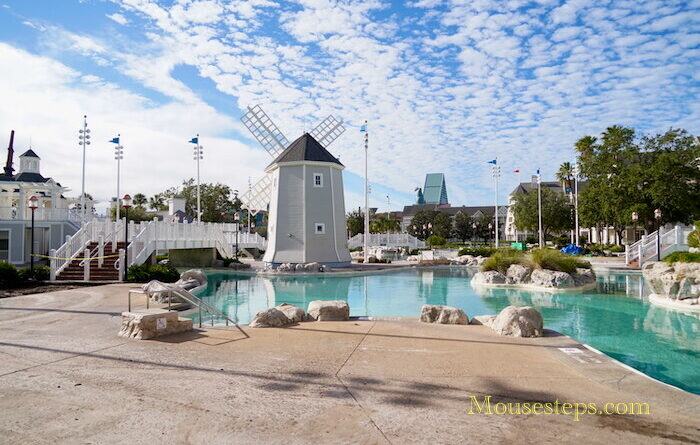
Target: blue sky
x=445, y=85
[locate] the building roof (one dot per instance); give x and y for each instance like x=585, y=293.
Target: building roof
x=29, y=177
x=305, y=148
x=526, y=187
x=410, y=211
x=30, y=153
x=435, y=190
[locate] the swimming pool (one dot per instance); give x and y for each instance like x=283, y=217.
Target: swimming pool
x=616, y=318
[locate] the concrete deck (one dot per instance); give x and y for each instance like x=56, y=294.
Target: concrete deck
x=65, y=377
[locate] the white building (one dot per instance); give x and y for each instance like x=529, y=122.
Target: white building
x=54, y=219
x=307, y=211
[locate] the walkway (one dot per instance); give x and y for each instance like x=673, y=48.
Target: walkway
x=65, y=377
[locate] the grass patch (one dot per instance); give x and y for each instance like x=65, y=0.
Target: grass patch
x=555, y=260
x=683, y=257
x=503, y=259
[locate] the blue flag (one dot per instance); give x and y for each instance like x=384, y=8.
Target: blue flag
x=194, y=140
x=494, y=162
x=363, y=127
x=538, y=171
x=114, y=140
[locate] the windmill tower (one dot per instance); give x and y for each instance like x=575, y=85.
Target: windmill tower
x=304, y=189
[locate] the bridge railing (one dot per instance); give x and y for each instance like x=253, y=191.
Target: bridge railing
x=647, y=248
x=386, y=239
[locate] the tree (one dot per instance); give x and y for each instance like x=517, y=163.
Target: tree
x=136, y=214
x=442, y=225
x=430, y=222
x=215, y=199
x=355, y=222
x=140, y=200
x=384, y=225
x=565, y=174
x=463, y=227
x=556, y=212
x=157, y=202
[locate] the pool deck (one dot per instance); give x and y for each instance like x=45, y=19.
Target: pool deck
x=65, y=377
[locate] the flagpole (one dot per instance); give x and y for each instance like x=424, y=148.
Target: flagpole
x=539, y=208
x=496, y=174
x=366, y=246
x=199, y=206
x=576, y=173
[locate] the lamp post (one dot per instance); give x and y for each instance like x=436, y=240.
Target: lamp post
x=496, y=173
x=635, y=218
x=32, y=205
x=474, y=226
x=539, y=209
x=237, y=220
x=657, y=217
x=364, y=129
x=118, y=156
x=126, y=202
x=490, y=229
x=83, y=140
x=198, y=156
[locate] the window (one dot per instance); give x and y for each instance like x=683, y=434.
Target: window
x=318, y=179
x=320, y=228
x=4, y=245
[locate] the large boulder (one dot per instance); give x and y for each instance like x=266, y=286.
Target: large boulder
x=489, y=277
x=312, y=267
x=662, y=278
x=282, y=315
x=680, y=281
x=516, y=321
x=194, y=275
x=486, y=320
x=583, y=276
x=335, y=310
x=430, y=313
x=551, y=278
x=517, y=274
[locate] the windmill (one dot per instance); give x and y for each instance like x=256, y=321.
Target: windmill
x=303, y=188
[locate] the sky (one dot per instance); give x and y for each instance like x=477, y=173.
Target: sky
x=445, y=86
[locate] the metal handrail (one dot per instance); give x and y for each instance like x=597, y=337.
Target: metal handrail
x=188, y=297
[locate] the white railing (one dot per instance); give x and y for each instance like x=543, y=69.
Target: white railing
x=163, y=235
x=646, y=249
x=386, y=239
x=246, y=240
x=40, y=214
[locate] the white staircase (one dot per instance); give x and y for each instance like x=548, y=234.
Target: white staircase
x=646, y=249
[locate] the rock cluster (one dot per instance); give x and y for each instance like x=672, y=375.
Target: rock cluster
x=430, y=313
x=189, y=280
x=513, y=321
x=679, y=282
x=468, y=260
x=286, y=314
x=300, y=267
x=520, y=274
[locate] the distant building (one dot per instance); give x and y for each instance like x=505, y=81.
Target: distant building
x=434, y=191
x=475, y=212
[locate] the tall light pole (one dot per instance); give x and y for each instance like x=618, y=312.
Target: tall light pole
x=635, y=218
x=32, y=205
x=84, y=141
x=496, y=173
x=118, y=156
x=198, y=156
x=539, y=209
x=577, y=172
x=364, y=129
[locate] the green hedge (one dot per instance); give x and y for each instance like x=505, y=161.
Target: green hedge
x=41, y=273
x=143, y=273
x=476, y=251
x=683, y=257
x=9, y=276
x=435, y=240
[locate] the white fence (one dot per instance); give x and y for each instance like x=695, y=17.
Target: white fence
x=386, y=239
x=647, y=248
x=40, y=214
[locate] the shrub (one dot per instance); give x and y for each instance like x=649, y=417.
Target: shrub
x=694, y=236
x=415, y=252
x=503, y=259
x=41, y=273
x=434, y=240
x=9, y=277
x=683, y=257
x=616, y=249
x=143, y=273
x=228, y=261
x=555, y=260
x=476, y=251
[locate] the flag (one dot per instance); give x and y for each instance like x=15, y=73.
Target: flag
x=516, y=171
x=494, y=162
x=115, y=140
x=363, y=127
x=538, y=171
x=194, y=140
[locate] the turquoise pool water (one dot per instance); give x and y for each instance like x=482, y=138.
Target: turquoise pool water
x=616, y=318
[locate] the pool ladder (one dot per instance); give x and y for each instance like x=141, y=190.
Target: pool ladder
x=192, y=299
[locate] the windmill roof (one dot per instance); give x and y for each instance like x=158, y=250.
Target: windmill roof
x=305, y=148
x=30, y=153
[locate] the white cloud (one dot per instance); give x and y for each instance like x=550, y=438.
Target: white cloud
x=118, y=18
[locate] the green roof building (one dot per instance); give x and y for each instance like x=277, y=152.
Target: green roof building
x=435, y=190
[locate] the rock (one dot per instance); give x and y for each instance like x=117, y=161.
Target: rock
x=299, y=267
x=488, y=277
x=152, y=323
x=269, y=318
x=430, y=313
x=194, y=274
x=285, y=267
x=372, y=259
x=680, y=282
x=551, y=278
x=516, y=321
x=583, y=276
x=239, y=266
x=517, y=274
x=321, y=310
x=312, y=267
x=293, y=313
x=661, y=277
x=480, y=260
x=486, y=320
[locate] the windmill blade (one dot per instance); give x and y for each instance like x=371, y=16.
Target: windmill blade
x=328, y=131
x=264, y=130
x=258, y=196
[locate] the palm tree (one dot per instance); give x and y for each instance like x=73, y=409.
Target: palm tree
x=566, y=175
x=156, y=202
x=140, y=200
